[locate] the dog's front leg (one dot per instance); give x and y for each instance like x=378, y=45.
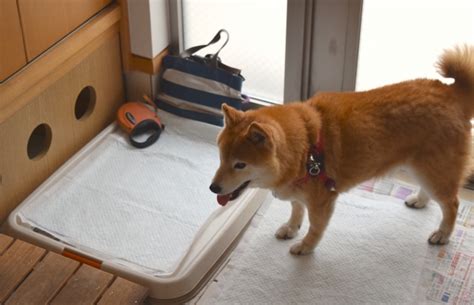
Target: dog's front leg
x=319, y=213
x=289, y=229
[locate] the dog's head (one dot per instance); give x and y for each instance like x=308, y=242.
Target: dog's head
x=247, y=147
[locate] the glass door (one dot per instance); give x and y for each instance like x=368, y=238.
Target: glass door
x=257, y=39
x=268, y=41
x=287, y=49
x=290, y=49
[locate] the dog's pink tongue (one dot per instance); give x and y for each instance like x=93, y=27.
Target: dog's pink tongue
x=223, y=199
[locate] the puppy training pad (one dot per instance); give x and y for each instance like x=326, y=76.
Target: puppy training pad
x=141, y=207
x=146, y=215
x=374, y=251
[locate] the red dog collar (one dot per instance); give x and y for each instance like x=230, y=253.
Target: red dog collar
x=315, y=167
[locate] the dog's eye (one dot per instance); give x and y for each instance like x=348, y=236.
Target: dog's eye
x=240, y=165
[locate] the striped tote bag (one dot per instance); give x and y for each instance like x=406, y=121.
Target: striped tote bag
x=195, y=87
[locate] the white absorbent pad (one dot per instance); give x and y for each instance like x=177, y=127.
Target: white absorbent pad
x=374, y=251
x=140, y=207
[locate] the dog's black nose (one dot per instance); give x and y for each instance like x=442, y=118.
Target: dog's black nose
x=215, y=188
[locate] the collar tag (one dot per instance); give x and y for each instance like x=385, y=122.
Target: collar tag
x=315, y=163
x=314, y=169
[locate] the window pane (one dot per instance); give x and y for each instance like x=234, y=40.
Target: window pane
x=402, y=39
x=257, y=39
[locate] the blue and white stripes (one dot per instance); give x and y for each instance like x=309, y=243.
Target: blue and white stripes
x=196, y=90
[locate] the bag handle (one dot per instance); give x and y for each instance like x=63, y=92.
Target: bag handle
x=217, y=37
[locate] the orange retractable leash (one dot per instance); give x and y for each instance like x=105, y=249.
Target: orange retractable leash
x=137, y=119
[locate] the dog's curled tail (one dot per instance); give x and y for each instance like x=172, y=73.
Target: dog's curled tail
x=458, y=63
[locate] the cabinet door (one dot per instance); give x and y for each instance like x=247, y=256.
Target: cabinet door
x=47, y=21
x=12, y=50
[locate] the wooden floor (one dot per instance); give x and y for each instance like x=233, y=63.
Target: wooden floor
x=32, y=275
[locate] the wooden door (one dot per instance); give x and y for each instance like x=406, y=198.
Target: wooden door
x=12, y=50
x=47, y=21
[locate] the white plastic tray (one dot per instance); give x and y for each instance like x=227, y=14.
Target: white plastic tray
x=193, y=268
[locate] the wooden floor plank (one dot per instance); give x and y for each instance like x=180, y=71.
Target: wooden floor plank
x=15, y=264
x=123, y=292
x=84, y=288
x=5, y=242
x=47, y=278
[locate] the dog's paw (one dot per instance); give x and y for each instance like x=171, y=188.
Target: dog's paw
x=413, y=201
x=438, y=238
x=286, y=231
x=300, y=248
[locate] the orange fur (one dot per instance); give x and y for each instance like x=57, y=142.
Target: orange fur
x=423, y=124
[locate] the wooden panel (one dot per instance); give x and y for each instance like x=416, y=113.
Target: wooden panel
x=84, y=287
x=14, y=161
x=15, y=264
x=47, y=21
x=107, y=80
x=12, y=50
x=150, y=66
x=18, y=91
x=124, y=292
x=45, y=281
x=124, y=34
x=5, y=242
x=55, y=107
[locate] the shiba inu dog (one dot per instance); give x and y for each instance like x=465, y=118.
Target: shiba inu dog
x=309, y=152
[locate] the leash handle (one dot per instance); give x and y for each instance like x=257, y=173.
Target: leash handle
x=143, y=127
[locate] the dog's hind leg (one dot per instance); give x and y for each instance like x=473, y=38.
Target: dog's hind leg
x=418, y=200
x=289, y=229
x=442, y=180
x=319, y=214
x=449, y=208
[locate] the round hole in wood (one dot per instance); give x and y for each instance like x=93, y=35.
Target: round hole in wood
x=85, y=103
x=39, y=142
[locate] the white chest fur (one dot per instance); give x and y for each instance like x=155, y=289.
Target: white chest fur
x=288, y=193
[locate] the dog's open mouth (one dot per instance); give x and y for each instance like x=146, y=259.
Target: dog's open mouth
x=223, y=199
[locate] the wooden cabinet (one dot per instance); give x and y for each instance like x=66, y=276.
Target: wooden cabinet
x=30, y=27
x=39, y=125
x=12, y=50
x=47, y=21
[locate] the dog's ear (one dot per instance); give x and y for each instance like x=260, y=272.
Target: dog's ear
x=231, y=115
x=259, y=133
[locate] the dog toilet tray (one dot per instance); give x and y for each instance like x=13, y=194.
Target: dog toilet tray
x=143, y=214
